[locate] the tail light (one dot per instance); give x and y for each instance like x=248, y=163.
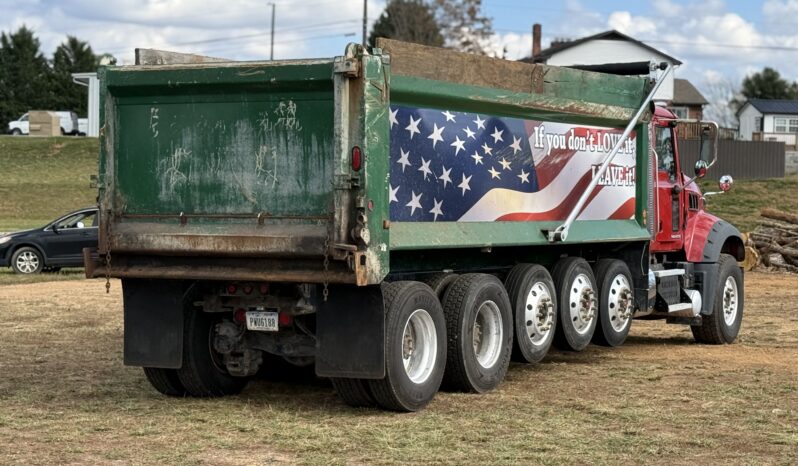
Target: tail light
x=285, y=319
x=247, y=289
x=357, y=158
x=231, y=289
x=263, y=288
x=240, y=316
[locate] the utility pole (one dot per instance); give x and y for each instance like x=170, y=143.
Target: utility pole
x=271, y=55
x=365, y=19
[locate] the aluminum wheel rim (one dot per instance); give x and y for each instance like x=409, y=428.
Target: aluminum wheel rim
x=730, y=301
x=419, y=346
x=539, y=314
x=487, y=334
x=620, y=302
x=27, y=262
x=582, y=303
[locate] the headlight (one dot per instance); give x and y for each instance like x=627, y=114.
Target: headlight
x=4, y=239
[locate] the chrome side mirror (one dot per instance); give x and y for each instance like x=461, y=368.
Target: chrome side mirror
x=725, y=183
x=701, y=167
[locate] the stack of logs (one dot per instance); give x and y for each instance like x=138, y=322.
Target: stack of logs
x=774, y=243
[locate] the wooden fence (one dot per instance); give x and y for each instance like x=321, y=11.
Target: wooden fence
x=740, y=159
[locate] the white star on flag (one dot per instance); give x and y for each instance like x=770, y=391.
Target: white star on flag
x=464, y=184
x=413, y=126
x=449, y=116
x=415, y=202
x=505, y=164
x=436, y=134
x=497, y=135
x=403, y=160
x=487, y=149
x=480, y=123
x=477, y=158
x=436, y=210
x=494, y=173
x=524, y=176
x=392, y=117
x=444, y=176
x=469, y=133
x=392, y=194
x=516, y=145
x=458, y=145
x=425, y=168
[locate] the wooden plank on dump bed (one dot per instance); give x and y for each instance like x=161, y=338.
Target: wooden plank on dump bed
x=460, y=68
x=164, y=57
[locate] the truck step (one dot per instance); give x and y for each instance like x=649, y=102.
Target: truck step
x=679, y=307
x=668, y=272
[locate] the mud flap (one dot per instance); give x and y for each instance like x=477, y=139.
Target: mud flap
x=350, y=328
x=706, y=278
x=153, y=323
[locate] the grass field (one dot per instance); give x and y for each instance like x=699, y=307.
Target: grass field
x=42, y=178
x=67, y=398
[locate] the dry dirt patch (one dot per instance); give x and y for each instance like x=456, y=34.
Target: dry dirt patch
x=65, y=397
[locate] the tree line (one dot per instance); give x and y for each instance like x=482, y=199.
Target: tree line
x=31, y=81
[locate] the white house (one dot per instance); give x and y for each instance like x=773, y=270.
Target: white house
x=769, y=120
x=605, y=48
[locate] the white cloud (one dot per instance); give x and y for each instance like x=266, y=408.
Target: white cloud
x=623, y=21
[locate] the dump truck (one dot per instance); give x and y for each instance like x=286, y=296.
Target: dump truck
x=400, y=218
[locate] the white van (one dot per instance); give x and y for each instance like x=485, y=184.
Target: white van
x=69, y=124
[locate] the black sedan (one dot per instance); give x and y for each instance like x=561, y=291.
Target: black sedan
x=58, y=244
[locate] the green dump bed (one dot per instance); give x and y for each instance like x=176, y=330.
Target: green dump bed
x=245, y=170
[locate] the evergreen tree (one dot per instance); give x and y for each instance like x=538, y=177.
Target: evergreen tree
x=72, y=56
x=768, y=84
x=409, y=21
x=24, y=76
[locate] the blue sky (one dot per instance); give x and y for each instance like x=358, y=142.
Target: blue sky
x=713, y=38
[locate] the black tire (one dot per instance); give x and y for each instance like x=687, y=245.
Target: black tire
x=615, y=304
x=27, y=260
x=461, y=305
x=16, y=132
x=354, y=392
x=439, y=282
x=568, y=272
x=165, y=381
x=397, y=391
x=531, y=285
x=203, y=374
x=714, y=328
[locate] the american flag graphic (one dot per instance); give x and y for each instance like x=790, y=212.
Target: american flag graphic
x=455, y=166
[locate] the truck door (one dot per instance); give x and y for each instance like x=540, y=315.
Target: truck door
x=668, y=236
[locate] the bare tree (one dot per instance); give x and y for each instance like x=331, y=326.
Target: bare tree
x=723, y=97
x=464, y=26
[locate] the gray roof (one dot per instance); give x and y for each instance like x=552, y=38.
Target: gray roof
x=787, y=107
x=684, y=93
x=545, y=54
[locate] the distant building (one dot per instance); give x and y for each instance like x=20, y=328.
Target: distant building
x=609, y=50
x=769, y=120
x=687, y=101
x=93, y=84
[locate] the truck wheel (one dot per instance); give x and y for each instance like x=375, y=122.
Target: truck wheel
x=723, y=325
x=616, y=302
x=415, y=347
x=479, y=325
x=16, y=132
x=203, y=373
x=534, y=301
x=165, y=381
x=439, y=282
x=354, y=392
x=576, y=294
x=27, y=260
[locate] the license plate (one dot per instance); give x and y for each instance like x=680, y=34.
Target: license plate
x=262, y=321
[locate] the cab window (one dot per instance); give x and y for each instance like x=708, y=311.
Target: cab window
x=82, y=220
x=664, y=147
